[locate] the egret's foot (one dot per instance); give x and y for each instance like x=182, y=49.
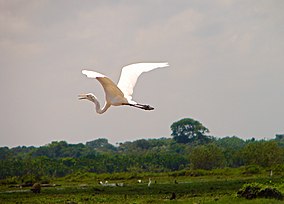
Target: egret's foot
x=147, y=107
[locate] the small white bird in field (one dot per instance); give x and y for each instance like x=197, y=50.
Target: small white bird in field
x=150, y=181
x=120, y=94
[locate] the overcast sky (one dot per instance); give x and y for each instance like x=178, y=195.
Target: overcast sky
x=226, y=68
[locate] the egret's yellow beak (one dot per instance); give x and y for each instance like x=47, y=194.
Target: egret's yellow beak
x=82, y=96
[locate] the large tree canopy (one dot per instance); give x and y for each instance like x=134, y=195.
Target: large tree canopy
x=188, y=130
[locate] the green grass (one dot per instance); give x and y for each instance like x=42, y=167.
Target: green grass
x=219, y=186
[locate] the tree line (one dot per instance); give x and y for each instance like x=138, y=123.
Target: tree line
x=189, y=148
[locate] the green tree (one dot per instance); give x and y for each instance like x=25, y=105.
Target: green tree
x=231, y=147
x=188, y=130
x=101, y=144
x=280, y=139
x=4, y=153
x=207, y=157
x=262, y=153
x=142, y=144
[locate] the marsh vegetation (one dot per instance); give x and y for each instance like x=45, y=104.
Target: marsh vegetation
x=190, y=167
x=193, y=186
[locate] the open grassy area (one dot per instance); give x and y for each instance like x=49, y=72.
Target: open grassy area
x=215, y=187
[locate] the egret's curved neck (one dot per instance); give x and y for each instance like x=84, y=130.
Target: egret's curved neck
x=98, y=106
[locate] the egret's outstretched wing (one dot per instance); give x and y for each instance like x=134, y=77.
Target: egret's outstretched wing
x=111, y=90
x=130, y=74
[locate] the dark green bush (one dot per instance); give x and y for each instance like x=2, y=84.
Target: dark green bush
x=257, y=190
x=252, y=169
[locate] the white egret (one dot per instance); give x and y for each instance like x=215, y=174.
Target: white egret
x=120, y=94
x=149, y=183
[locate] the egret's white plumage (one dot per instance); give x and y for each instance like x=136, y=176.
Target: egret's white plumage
x=120, y=94
x=149, y=183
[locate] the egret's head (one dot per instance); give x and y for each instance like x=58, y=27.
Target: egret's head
x=87, y=96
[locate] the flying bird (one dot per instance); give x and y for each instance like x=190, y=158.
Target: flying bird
x=120, y=94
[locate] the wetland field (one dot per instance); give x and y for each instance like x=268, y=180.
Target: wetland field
x=218, y=186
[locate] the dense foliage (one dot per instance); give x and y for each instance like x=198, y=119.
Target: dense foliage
x=188, y=130
x=151, y=155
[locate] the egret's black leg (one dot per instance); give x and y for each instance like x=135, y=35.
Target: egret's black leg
x=141, y=106
x=145, y=107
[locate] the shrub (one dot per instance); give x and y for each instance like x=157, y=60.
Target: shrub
x=252, y=169
x=278, y=169
x=9, y=180
x=257, y=190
